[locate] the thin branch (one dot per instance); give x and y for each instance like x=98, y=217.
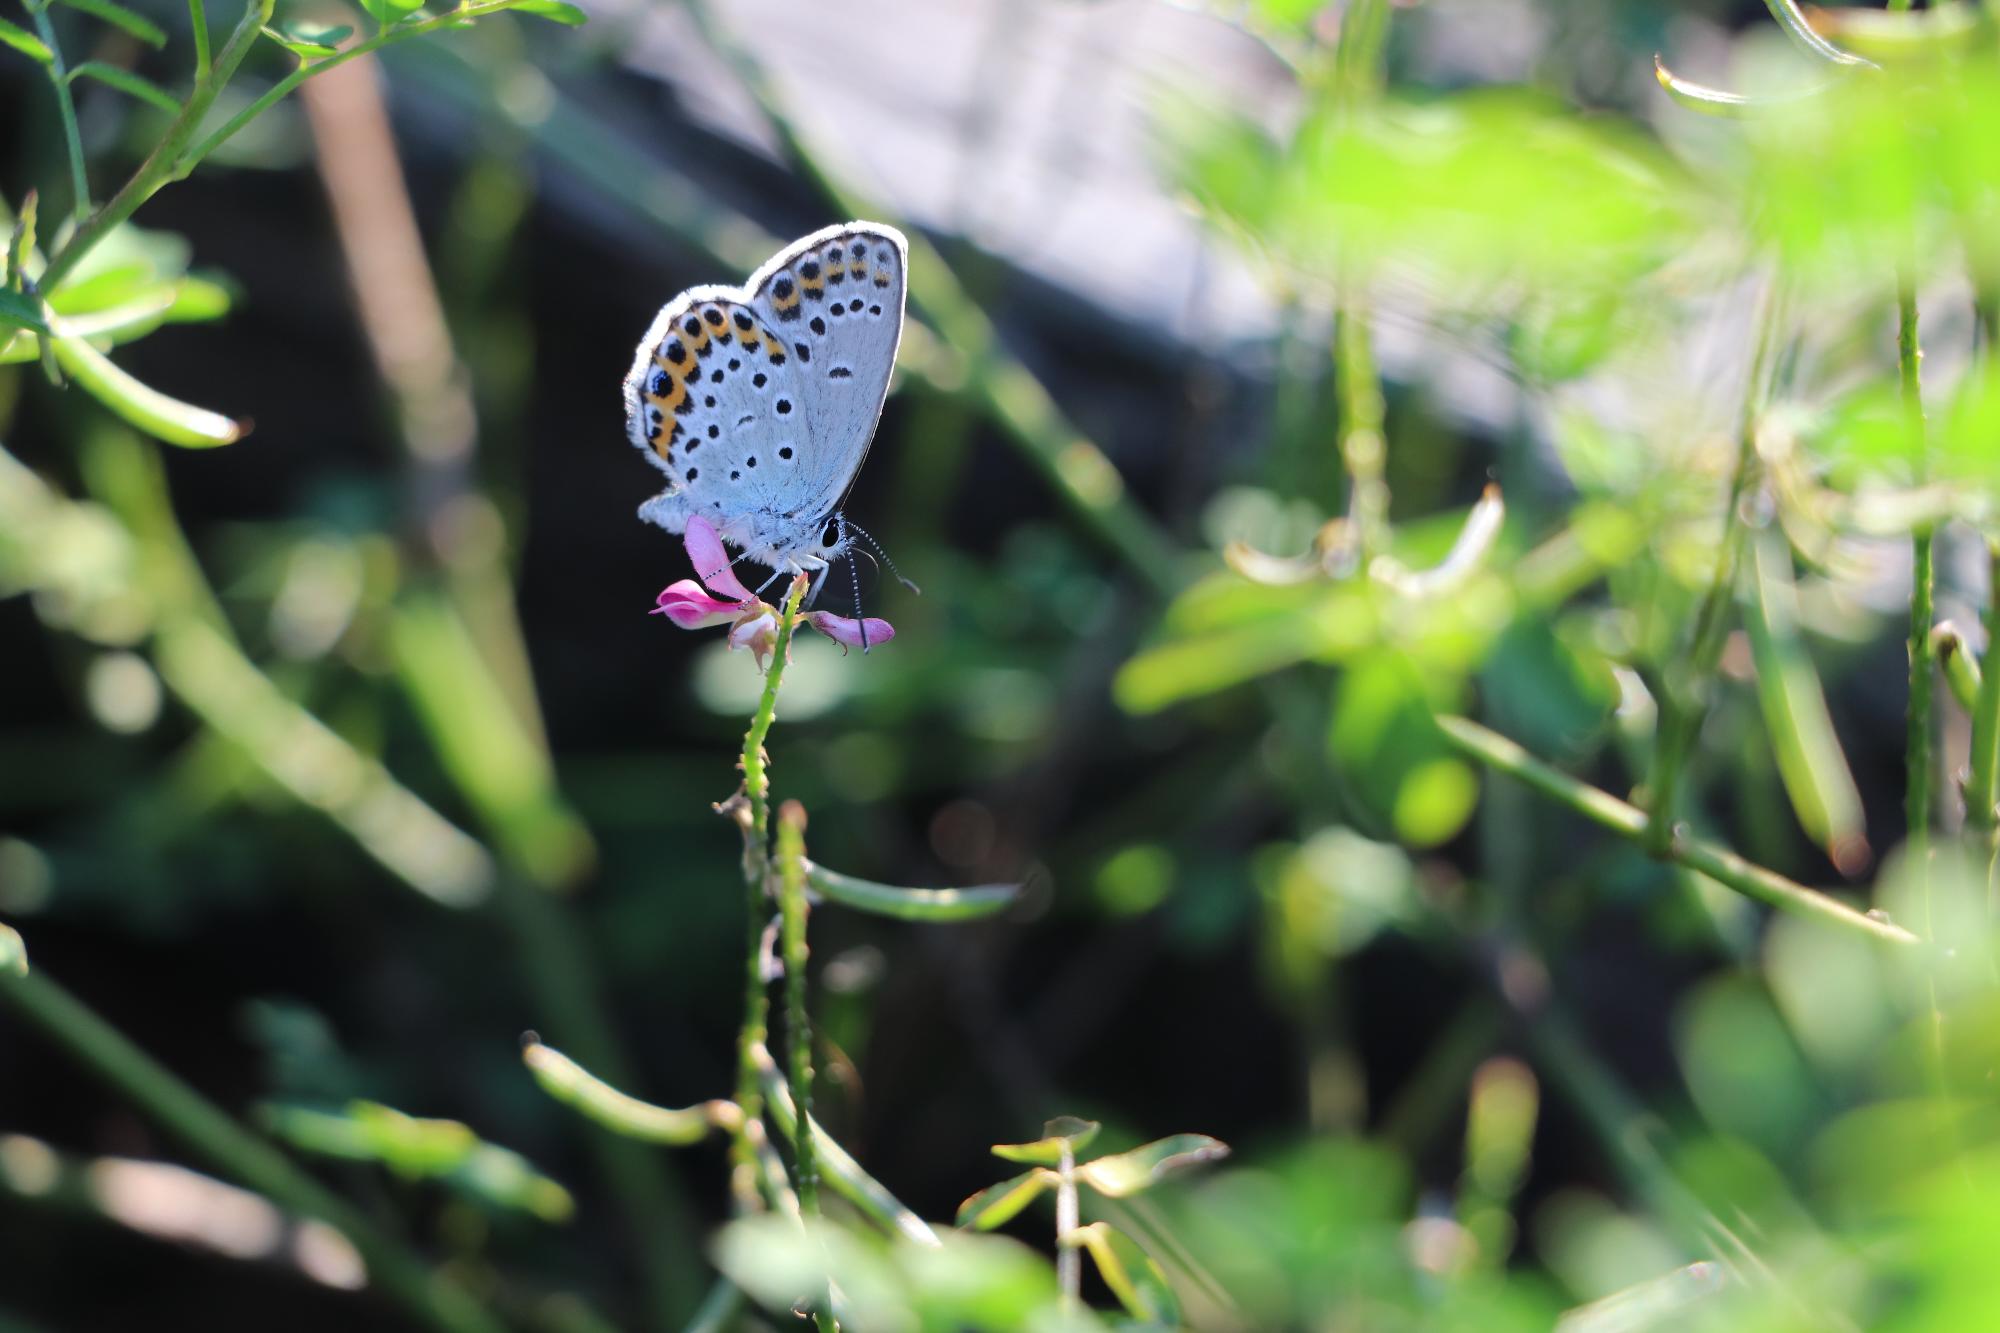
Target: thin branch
x=1718, y=863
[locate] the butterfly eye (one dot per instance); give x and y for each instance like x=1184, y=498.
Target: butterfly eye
x=829, y=536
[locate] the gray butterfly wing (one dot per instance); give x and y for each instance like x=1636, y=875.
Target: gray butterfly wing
x=715, y=401
x=836, y=298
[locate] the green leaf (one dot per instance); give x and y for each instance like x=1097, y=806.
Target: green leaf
x=1132, y=1274
x=25, y=42
x=125, y=81
x=198, y=300
x=120, y=17
x=423, y=1149
x=837, y=1166
x=309, y=44
x=1047, y=1150
x=163, y=418
x=1800, y=30
x=1811, y=762
x=1121, y=1174
x=572, y=1085
x=997, y=1205
x=21, y=311
x=553, y=10
x=910, y=904
x=389, y=13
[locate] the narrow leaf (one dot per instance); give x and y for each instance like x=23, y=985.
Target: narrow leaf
x=1121, y=1174
x=22, y=311
x=553, y=10
x=837, y=1166
x=163, y=418
x=910, y=904
x=1134, y=1277
x=125, y=81
x=572, y=1085
x=1047, y=1150
x=1887, y=35
x=1810, y=759
x=310, y=45
x=1793, y=21
x=997, y=1205
x=1709, y=101
x=25, y=42
x=120, y=17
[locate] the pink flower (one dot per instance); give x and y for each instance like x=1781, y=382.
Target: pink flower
x=688, y=606
x=753, y=623
x=847, y=631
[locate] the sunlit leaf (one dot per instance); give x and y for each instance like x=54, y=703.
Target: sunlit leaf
x=1662, y=1302
x=1047, y=1151
x=1120, y=1174
x=120, y=17
x=553, y=10
x=422, y=1149
x=996, y=1205
x=388, y=13
x=570, y=1083
x=125, y=81
x=1134, y=1276
x=308, y=45
x=1810, y=758
x=25, y=42
x=163, y=418
x=911, y=904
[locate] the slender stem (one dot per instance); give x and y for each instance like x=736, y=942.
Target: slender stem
x=158, y=168
x=1684, y=698
x=65, y=108
x=277, y=91
x=1069, y=1260
x=755, y=822
x=1917, y=751
x=235, y=1151
x=1718, y=863
x=798, y=1024
x=1982, y=781
x=198, y=22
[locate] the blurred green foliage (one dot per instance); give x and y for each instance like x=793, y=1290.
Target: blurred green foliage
x=1496, y=1043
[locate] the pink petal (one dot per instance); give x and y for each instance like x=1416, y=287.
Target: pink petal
x=844, y=629
x=711, y=561
x=688, y=606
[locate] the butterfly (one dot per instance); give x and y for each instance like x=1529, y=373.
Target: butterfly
x=759, y=401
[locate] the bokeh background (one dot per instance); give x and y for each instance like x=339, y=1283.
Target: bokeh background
x=333, y=760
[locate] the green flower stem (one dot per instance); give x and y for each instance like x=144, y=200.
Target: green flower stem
x=798, y=1024
x=1718, y=863
x=1363, y=445
x=755, y=820
x=433, y=1300
x=65, y=108
x=1982, y=781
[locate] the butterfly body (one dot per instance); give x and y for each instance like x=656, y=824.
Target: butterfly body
x=759, y=401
